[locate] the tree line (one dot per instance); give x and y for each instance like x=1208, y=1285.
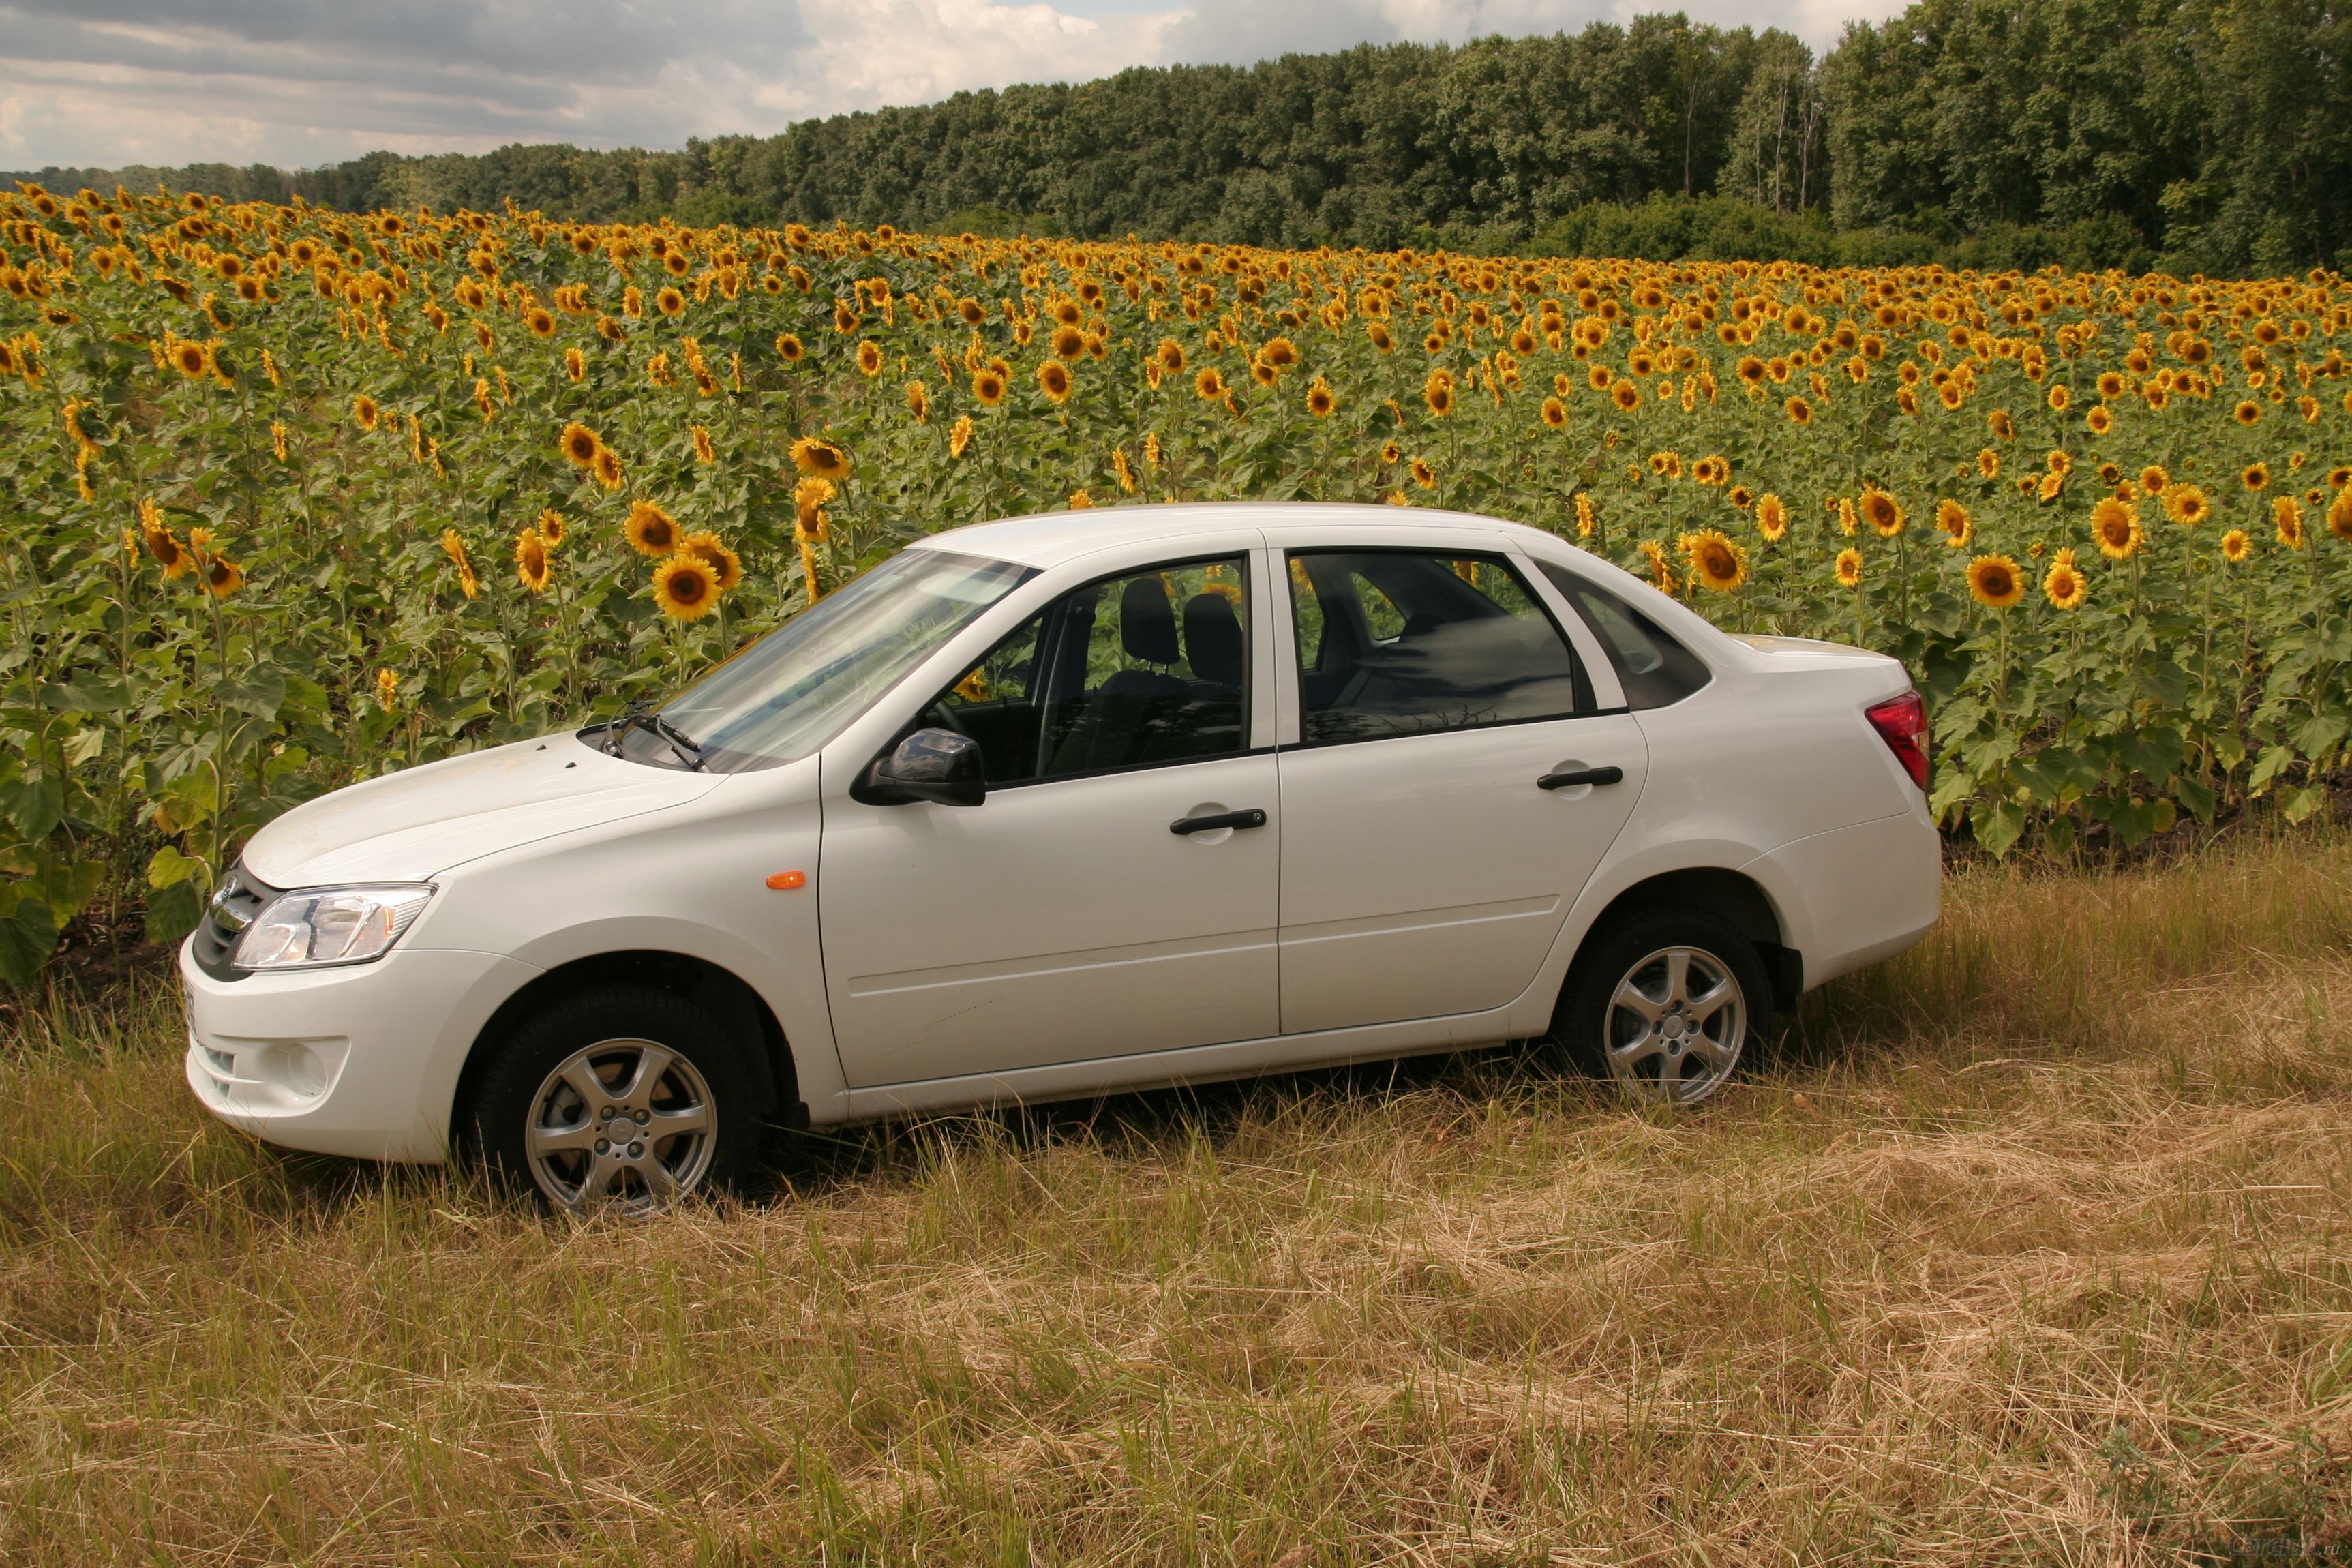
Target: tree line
x=2195, y=136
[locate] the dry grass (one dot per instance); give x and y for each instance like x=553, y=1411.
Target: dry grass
x=2032, y=1247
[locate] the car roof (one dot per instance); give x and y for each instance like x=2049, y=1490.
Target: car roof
x=1050, y=539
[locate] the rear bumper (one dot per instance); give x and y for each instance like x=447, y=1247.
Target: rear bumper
x=361, y=1061
x=1856, y=895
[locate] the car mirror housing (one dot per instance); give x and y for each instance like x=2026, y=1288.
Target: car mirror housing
x=936, y=766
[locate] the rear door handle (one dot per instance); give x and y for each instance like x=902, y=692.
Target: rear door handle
x=1253, y=817
x=1581, y=776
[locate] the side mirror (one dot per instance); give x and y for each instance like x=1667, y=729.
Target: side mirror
x=937, y=765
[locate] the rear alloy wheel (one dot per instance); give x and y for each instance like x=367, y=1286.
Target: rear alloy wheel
x=1665, y=1005
x=620, y=1101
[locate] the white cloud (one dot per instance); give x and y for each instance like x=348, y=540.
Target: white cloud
x=300, y=83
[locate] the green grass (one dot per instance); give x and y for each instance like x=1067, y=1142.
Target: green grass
x=2030, y=1246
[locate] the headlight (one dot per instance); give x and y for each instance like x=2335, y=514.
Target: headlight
x=321, y=926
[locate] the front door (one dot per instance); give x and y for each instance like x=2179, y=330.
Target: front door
x=1426, y=867
x=1068, y=917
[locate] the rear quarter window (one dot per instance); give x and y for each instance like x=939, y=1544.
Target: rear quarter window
x=1653, y=668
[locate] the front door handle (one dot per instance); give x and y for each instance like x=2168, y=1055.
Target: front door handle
x=1581, y=776
x=1253, y=817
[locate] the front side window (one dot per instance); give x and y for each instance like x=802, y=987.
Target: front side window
x=1394, y=642
x=1145, y=667
x=798, y=687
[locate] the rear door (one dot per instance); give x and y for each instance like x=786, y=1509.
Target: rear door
x=1066, y=917
x=1426, y=869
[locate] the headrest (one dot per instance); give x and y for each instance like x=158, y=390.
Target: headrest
x=1212, y=639
x=1147, y=622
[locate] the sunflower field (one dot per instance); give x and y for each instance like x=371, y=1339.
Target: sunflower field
x=295, y=497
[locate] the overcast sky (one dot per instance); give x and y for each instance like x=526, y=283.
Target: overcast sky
x=300, y=82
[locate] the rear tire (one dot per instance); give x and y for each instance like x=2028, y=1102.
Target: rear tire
x=1664, y=1005
x=624, y=1100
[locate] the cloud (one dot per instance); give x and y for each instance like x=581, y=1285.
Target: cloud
x=300, y=83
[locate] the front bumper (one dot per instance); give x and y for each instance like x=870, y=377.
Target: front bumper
x=361, y=1061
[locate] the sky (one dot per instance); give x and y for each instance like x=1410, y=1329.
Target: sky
x=100, y=83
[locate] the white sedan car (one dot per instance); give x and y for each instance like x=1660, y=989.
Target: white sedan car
x=1063, y=805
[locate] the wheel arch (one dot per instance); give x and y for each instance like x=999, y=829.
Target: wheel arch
x=1735, y=897
x=682, y=975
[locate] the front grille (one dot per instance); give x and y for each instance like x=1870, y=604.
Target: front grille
x=240, y=897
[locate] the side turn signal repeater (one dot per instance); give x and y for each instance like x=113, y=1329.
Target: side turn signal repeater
x=785, y=881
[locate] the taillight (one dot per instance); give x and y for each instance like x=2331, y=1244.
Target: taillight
x=1902, y=723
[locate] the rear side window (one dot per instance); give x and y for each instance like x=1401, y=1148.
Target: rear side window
x=1395, y=642
x=1651, y=665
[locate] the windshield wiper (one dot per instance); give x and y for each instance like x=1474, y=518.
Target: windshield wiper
x=640, y=715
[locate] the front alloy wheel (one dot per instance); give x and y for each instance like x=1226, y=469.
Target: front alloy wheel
x=621, y=1123
x=623, y=1101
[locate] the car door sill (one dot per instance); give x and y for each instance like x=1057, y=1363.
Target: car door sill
x=1195, y=1064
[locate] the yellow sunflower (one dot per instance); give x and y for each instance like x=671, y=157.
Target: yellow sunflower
x=1800, y=411
x=1438, y=392
x=2255, y=476
x=686, y=588
x=531, y=558
x=2153, y=479
x=2236, y=545
x=2247, y=412
x=669, y=303
x=649, y=529
x=1714, y=560
x=1882, y=512
x=1952, y=518
x=224, y=577
x=607, y=468
x=1989, y=463
x=1555, y=413
x=726, y=566
x=960, y=436
x=1626, y=396
x=1209, y=383
x=551, y=527
x=2187, y=504
x=454, y=547
x=1053, y=381
x=820, y=459
x=788, y=348
x=919, y=402
x=1423, y=474
x=2287, y=513
x=2116, y=529
x=1994, y=581
x=869, y=358
x=1321, y=399
x=2064, y=584
x=363, y=408
x=1771, y=517
x=1848, y=567
x=808, y=509
x=580, y=444
x=2339, y=516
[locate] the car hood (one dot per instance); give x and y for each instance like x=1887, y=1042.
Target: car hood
x=410, y=826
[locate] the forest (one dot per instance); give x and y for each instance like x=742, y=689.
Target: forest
x=2188, y=135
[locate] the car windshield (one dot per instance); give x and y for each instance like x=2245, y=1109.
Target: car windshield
x=801, y=685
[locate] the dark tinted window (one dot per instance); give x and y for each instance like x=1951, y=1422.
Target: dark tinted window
x=1651, y=665
x=1398, y=642
x=1150, y=667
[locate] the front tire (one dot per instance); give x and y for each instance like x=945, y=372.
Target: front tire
x=1665, y=1005
x=622, y=1100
